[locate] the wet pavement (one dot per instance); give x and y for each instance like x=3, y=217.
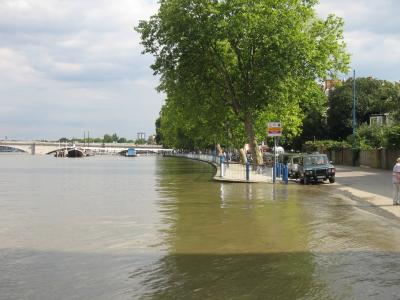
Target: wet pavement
x=360, y=183
x=371, y=185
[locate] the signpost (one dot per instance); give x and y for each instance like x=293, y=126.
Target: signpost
x=274, y=129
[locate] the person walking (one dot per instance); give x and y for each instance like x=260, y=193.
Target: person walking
x=396, y=182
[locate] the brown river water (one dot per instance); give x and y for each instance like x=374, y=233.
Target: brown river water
x=160, y=228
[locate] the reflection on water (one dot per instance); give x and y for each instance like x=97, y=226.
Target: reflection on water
x=160, y=228
x=233, y=276
x=252, y=241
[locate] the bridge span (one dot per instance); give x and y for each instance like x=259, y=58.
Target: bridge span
x=43, y=148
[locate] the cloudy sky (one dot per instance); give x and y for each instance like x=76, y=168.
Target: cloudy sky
x=69, y=66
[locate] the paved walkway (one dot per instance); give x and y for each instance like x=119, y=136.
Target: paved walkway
x=371, y=185
x=234, y=172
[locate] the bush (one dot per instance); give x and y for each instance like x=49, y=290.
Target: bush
x=325, y=145
x=367, y=138
x=371, y=137
x=393, y=137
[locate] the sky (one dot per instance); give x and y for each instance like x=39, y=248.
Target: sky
x=73, y=66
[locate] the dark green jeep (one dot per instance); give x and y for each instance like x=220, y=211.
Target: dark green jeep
x=315, y=167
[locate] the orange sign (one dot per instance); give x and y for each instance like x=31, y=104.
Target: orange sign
x=274, y=129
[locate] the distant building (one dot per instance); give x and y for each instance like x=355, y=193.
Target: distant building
x=329, y=85
x=141, y=136
x=379, y=120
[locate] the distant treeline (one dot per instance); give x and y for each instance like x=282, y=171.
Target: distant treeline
x=108, y=138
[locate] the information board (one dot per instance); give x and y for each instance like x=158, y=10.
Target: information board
x=274, y=129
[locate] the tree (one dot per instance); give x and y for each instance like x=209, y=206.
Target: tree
x=115, y=137
x=371, y=137
x=373, y=96
x=314, y=124
x=107, y=138
x=256, y=59
x=140, y=142
x=158, y=138
x=111, y=138
x=393, y=137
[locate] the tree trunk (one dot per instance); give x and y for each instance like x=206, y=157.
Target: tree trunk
x=218, y=149
x=252, y=141
x=243, y=158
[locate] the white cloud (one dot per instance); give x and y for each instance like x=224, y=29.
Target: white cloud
x=73, y=65
x=15, y=68
x=371, y=34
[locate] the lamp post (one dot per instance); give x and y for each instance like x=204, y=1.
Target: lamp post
x=354, y=118
x=354, y=104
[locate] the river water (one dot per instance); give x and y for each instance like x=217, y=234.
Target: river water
x=159, y=228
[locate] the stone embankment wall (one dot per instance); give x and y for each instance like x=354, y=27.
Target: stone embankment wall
x=378, y=159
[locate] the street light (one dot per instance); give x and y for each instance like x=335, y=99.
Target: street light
x=354, y=118
x=354, y=104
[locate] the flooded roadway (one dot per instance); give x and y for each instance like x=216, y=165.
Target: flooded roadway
x=159, y=228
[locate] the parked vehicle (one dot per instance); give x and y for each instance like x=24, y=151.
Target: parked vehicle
x=315, y=167
x=286, y=157
x=293, y=166
x=268, y=159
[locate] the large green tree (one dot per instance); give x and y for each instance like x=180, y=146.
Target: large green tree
x=255, y=58
x=373, y=96
x=314, y=125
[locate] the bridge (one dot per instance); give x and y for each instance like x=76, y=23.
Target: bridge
x=43, y=148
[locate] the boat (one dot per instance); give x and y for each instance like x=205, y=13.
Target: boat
x=131, y=152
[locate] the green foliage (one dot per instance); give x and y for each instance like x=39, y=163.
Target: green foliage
x=393, y=137
x=314, y=125
x=229, y=67
x=140, y=142
x=159, y=137
x=111, y=138
x=323, y=145
x=106, y=139
x=373, y=96
x=371, y=137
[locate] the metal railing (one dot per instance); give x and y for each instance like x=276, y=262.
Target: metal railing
x=236, y=171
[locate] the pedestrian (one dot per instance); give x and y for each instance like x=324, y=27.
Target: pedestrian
x=396, y=182
x=227, y=158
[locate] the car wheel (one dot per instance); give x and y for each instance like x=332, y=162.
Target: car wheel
x=332, y=179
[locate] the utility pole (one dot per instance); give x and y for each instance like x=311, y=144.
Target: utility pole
x=354, y=120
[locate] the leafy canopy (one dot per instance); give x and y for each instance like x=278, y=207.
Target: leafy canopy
x=373, y=96
x=225, y=63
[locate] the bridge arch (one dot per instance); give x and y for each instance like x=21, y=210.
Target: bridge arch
x=10, y=149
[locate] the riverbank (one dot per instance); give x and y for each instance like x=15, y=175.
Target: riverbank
x=373, y=186
x=358, y=183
